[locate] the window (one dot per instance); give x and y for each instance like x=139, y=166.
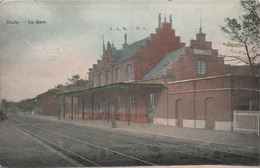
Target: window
x=151, y=100
x=100, y=105
x=101, y=79
x=119, y=104
x=118, y=75
x=128, y=72
x=94, y=82
x=201, y=67
x=108, y=78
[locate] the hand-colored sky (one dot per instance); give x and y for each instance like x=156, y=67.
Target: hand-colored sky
x=36, y=57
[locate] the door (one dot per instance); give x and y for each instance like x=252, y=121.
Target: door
x=210, y=113
x=178, y=112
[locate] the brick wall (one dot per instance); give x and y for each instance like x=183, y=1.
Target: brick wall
x=50, y=104
x=161, y=43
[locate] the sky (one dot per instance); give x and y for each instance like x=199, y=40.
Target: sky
x=43, y=43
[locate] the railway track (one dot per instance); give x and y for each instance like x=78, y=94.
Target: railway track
x=81, y=159
x=199, y=151
x=214, y=155
x=59, y=148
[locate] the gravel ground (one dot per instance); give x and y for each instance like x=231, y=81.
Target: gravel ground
x=247, y=145
x=20, y=150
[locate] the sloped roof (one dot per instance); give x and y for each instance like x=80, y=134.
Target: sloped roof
x=99, y=66
x=127, y=53
x=123, y=54
x=165, y=63
x=112, y=86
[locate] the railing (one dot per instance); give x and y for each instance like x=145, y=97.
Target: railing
x=247, y=122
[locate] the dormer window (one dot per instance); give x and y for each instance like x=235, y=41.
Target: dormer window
x=201, y=66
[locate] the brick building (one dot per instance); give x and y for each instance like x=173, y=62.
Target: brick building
x=161, y=81
x=50, y=104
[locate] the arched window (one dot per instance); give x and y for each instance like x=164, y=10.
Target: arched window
x=108, y=78
x=100, y=79
x=118, y=75
x=201, y=67
x=179, y=110
x=94, y=82
x=128, y=72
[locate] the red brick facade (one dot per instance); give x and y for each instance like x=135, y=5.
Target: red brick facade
x=199, y=91
x=159, y=44
x=49, y=103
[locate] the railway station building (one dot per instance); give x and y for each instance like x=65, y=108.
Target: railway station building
x=160, y=80
x=48, y=102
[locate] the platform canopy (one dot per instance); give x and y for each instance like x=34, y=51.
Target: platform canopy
x=112, y=86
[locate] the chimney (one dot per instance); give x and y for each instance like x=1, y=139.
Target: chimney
x=109, y=48
x=104, y=48
x=159, y=20
x=171, y=21
x=113, y=47
x=125, y=44
x=108, y=45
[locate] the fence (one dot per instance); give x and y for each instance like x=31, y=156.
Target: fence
x=247, y=122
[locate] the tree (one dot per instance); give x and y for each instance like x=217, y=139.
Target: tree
x=6, y=104
x=76, y=81
x=3, y=101
x=27, y=105
x=244, y=34
x=59, y=86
